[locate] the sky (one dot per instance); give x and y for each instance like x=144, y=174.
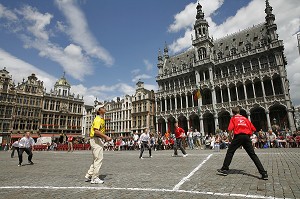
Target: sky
x=105, y=47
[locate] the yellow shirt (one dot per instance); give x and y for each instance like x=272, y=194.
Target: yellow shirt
x=99, y=124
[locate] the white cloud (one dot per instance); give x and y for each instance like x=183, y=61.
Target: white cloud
x=186, y=18
x=140, y=77
x=38, y=21
x=5, y=13
x=73, y=50
x=135, y=71
x=80, y=33
x=151, y=87
x=20, y=69
x=287, y=20
x=149, y=66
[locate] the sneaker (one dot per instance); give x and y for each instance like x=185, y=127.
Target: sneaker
x=97, y=181
x=88, y=178
x=264, y=176
x=31, y=163
x=19, y=165
x=141, y=158
x=222, y=172
x=174, y=155
x=150, y=156
x=185, y=155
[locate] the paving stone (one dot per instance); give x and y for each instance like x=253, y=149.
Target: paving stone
x=123, y=170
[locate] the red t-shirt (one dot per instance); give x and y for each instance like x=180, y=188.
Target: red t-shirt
x=240, y=124
x=70, y=139
x=178, y=132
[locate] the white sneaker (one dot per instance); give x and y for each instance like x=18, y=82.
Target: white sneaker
x=88, y=178
x=97, y=181
x=185, y=155
x=150, y=156
x=141, y=158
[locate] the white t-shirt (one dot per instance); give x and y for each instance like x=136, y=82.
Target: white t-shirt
x=15, y=144
x=190, y=134
x=145, y=137
x=136, y=137
x=26, y=142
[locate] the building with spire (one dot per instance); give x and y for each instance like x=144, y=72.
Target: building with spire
x=245, y=69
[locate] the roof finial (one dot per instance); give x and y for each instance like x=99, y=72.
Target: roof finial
x=64, y=74
x=269, y=8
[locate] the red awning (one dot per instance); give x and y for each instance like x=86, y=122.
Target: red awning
x=22, y=135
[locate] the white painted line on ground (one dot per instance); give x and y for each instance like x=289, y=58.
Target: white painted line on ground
x=191, y=174
x=143, y=189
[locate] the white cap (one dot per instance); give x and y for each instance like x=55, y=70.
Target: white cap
x=98, y=107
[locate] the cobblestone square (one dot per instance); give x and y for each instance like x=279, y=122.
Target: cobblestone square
x=61, y=175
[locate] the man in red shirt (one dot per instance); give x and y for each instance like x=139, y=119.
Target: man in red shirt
x=242, y=129
x=179, y=134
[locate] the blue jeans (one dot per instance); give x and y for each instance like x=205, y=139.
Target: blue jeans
x=191, y=143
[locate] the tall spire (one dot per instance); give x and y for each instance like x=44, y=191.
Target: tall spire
x=200, y=14
x=269, y=8
x=166, y=51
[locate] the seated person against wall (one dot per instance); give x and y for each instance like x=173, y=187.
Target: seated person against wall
x=272, y=139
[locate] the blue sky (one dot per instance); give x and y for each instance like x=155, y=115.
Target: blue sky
x=106, y=46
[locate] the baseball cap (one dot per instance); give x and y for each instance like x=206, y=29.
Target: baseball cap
x=98, y=107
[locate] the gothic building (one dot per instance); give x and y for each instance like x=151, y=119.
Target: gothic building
x=245, y=69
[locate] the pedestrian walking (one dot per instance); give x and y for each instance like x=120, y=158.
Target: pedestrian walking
x=26, y=144
x=15, y=146
x=242, y=129
x=179, y=135
x=97, y=132
x=70, y=144
x=145, y=143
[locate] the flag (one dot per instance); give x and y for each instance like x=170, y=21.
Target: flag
x=197, y=94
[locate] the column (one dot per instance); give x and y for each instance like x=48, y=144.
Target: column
x=237, y=93
x=175, y=102
x=221, y=95
x=268, y=119
x=165, y=104
x=291, y=121
x=272, y=87
x=245, y=91
x=193, y=104
x=157, y=130
x=253, y=90
x=160, y=105
x=263, y=88
x=201, y=125
x=216, y=121
x=180, y=102
x=187, y=101
x=249, y=116
x=229, y=96
x=214, y=98
x=188, y=123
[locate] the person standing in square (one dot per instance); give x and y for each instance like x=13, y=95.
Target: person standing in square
x=26, y=144
x=242, y=129
x=97, y=133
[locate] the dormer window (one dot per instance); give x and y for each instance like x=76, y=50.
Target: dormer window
x=233, y=51
x=220, y=55
x=248, y=46
x=202, y=53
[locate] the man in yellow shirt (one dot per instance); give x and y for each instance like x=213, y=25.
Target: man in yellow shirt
x=96, y=135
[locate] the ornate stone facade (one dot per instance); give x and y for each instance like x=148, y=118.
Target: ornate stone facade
x=62, y=111
x=118, y=117
x=245, y=69
x=143, y=109
x=28, y=107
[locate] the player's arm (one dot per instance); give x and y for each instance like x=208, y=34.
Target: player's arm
x=98, y=133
